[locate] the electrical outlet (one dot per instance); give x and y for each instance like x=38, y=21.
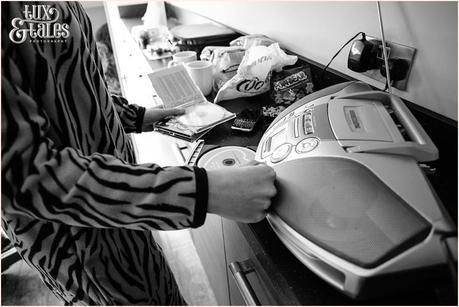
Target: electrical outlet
x=393, y=50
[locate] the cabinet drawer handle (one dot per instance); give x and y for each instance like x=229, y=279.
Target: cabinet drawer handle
x=239, y=270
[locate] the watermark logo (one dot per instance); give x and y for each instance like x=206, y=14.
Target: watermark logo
x=39, y=25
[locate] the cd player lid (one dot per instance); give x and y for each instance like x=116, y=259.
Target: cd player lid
x=344, y=208
x=362, y=120
x=418, y=145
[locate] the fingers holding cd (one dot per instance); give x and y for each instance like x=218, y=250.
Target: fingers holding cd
x=153, y=115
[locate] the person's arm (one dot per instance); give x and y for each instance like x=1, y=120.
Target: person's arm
x=131, y=115
x=61, y=184
x=138, y=119
x=65, y=186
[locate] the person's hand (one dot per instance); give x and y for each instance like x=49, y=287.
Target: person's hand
x=241, y=193
x=153, y=115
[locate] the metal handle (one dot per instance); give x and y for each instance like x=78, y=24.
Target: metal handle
x=410, y=123
x=239, y=270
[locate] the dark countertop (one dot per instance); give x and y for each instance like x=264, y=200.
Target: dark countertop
x=295, y=284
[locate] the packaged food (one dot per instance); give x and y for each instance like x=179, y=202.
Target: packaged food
x=254, y=72
x=291, y=84
x=251, y=40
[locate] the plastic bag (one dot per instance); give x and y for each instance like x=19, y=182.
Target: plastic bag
x=248, y=41
x=226, y=61
x=254, y=72
x=208, y=51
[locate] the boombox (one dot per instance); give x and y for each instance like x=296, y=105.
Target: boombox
x=353, y=204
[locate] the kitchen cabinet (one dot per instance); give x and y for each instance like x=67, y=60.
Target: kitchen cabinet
x=245, y=274
x=209, y=243
x=239, y=270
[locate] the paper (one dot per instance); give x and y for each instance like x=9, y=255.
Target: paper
x=175, y=87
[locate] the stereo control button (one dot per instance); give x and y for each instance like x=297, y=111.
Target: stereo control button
x=308, y=127
x=281, y=152
x=306, y=145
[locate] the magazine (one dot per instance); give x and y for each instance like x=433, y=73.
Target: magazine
x=177, y=90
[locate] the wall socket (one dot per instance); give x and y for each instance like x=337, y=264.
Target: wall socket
x=394, y=50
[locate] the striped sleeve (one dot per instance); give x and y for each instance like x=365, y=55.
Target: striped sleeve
x=131, y=115
x=99, y=190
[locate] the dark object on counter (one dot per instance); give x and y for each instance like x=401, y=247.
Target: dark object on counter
x=247, y=120
x=291, y=84
x=133, y=10
x=288, y=86
x=196, y=36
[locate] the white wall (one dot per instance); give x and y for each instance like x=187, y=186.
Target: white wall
x=317, y=30
x=96, y=12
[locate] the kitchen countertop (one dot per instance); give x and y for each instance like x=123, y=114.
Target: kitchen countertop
x=295, y=283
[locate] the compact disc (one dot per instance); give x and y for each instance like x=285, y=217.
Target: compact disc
x=226, y=156
x=201, y=115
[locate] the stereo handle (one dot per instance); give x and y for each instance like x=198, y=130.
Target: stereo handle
x=239, y=270
x=412, y=126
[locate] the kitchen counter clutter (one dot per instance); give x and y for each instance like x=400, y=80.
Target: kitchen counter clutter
x=247, y=263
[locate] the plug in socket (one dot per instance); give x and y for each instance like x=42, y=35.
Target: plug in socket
x=394, y=51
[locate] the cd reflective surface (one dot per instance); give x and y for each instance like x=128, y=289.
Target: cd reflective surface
x=201, y=115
